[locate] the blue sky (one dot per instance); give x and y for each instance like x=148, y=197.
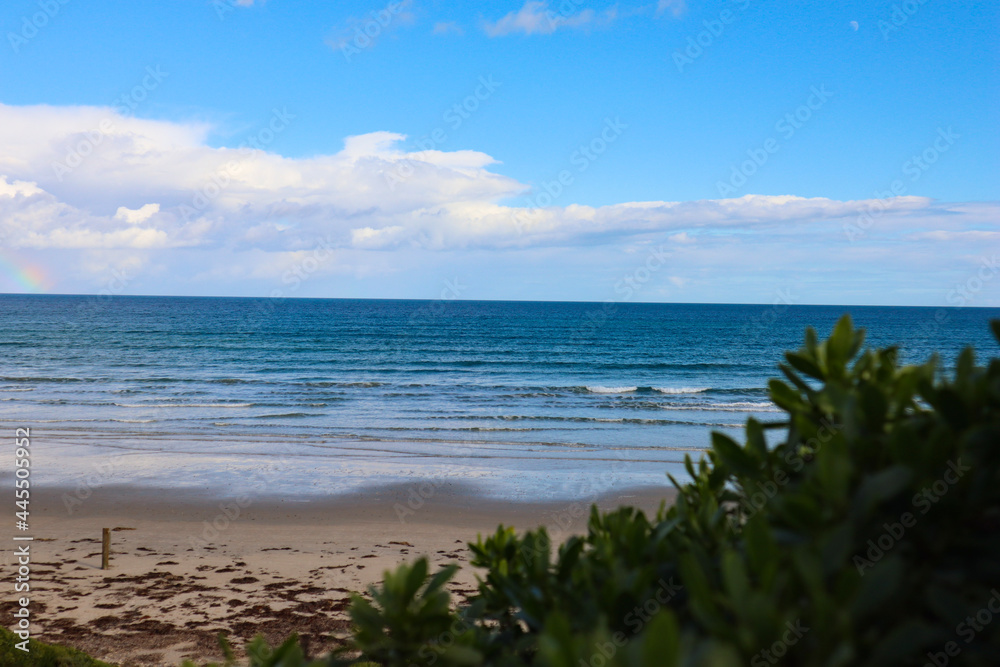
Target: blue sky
x=720, y=151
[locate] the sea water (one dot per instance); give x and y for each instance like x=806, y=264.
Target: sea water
x=519, y=399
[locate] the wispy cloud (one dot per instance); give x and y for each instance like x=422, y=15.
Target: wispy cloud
x=537, y=18
x=362, y=32
x=675, y=7
x=448, y=28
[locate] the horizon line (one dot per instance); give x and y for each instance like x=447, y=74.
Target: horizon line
x=611, y=301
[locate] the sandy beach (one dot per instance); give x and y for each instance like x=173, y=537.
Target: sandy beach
x=186, y=566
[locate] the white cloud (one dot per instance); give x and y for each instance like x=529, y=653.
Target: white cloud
x=371, y=194
x=536, y=18
x=134, y=217
x=17, y=189
x=30, y=217
x=248, y=209
x=366, y=237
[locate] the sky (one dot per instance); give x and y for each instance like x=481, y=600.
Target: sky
x=676, y=151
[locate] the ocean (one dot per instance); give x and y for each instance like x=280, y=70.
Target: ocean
x=521, y=400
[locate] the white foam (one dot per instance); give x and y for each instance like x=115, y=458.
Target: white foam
x=681, y=390
x=184, y=405
x=723, y=407
x=610, y=390
x=747, y=404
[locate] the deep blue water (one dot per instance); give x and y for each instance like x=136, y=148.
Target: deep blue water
x=371, y=390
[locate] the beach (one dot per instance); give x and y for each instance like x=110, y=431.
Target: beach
x=187, y=565
x=299, y=300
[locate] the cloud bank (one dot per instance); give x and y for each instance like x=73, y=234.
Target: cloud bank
x=91, y=181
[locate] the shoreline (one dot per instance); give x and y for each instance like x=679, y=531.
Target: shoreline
x=186, y=567
x=232, y=468
x=422, y=500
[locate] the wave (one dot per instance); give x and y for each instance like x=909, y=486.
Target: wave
x=745, y=391
x=575, y=419
x=745, y=404
x=671, y=391
x=184, y=405
x=8, y=378
x=286, y=414
x=681, y=390
x=156, y=381
x=736, y=406
x=579, y=420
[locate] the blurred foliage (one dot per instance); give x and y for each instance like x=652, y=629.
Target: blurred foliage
x=40, y=654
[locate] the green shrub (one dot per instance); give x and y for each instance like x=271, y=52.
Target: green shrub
x=863, y=529
x=411, y=621
x=41, y=654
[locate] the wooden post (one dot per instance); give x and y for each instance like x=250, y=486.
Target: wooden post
x=105, y=548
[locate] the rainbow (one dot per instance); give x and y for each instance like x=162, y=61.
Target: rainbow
x=27, y=276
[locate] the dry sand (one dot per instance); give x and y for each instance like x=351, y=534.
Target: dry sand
x=280, y=566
